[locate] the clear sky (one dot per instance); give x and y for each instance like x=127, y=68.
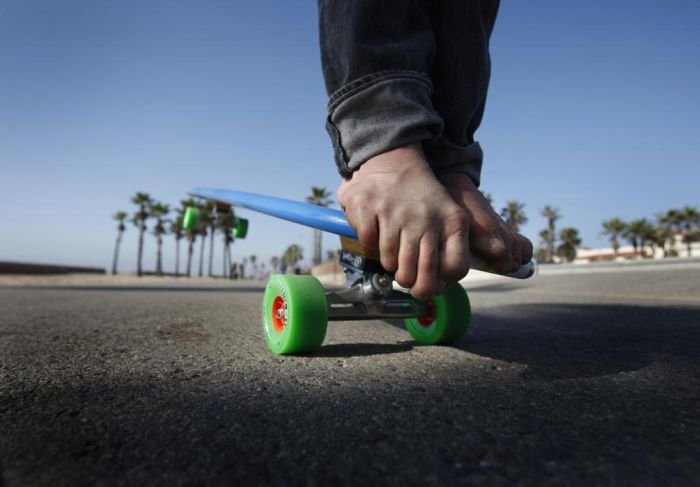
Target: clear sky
x=593, y=108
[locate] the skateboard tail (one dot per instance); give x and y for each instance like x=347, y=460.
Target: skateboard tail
x=326, y=219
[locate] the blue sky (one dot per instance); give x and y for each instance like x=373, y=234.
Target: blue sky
x=593, y=108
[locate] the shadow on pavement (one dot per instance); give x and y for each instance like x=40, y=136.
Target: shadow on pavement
x=158, y=430
x=560, y=341
x=416, y=422
x=570, y=341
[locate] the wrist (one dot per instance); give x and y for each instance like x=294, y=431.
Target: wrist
x=399, y=159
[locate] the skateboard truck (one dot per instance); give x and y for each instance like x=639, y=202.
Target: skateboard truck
x=370, y=294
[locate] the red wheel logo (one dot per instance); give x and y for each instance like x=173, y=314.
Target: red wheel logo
x=279, y=314
x=430, y=314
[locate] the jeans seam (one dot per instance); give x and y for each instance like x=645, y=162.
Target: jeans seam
x=341, y=159
x=369, y=80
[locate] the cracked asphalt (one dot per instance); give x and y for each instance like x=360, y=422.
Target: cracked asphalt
x=563, y=380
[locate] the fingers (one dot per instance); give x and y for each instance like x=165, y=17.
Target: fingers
x=407, y=260
x=426, y=279
x=454, y=256
x=389, y=238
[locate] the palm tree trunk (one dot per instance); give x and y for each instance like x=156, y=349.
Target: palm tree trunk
x=190, y=251
x=201, y=256
x=228, y=252
x=317, y=246
x=177, y=257
x=159, y=257
x=224, y=269
x=211, y=250
x=139, y=271
x=116, y=253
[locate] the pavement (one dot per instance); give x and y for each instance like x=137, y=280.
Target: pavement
x=566, y=379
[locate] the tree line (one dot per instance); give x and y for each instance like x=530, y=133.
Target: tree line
x=660, y=233
x=641, y=233
x=166, y=220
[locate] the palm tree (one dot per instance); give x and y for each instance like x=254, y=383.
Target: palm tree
x=275, y=262
x=176, y=231
x=552, y=215
x=253, y=258
x=292, y=255
x=213, y=225
x=637, y=233
x=670, y=222
x=514, y=215
x=569, y=241
x=614, y=228
x=690, y=221
x=120, y=216
x=226, y=221
x=143, y=200
x=657, y=237
x=205, y=217
x=319, y=196
x=159, y=211
x=190, y=234
x=545, y=238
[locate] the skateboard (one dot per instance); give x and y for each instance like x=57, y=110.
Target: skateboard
x=296, y=308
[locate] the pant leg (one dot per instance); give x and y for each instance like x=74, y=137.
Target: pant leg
x=377, y=56
x=460, y=75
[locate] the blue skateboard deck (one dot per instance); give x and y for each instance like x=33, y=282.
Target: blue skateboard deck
x=314, y=216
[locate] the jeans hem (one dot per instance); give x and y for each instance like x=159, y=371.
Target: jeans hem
x=380, y=112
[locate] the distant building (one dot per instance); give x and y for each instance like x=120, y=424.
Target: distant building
x=626, y=252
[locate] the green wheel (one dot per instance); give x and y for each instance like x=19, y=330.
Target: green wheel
x=241, y=228
x=191, y=219
x=446, y=319
x=295, y=314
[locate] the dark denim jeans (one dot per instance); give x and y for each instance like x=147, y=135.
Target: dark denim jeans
x=403, y=71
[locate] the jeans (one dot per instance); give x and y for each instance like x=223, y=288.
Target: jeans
x=405, y=71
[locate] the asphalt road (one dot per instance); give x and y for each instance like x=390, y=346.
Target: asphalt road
x=566, y=380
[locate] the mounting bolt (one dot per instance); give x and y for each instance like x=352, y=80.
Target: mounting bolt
x=381, y=283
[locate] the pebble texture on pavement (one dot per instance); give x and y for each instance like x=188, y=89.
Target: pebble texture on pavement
x=586, y=379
